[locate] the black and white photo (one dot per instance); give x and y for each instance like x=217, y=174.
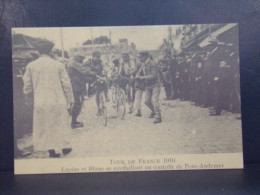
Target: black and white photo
x=126, y=98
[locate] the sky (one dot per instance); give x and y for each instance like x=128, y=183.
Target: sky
x=145, y=37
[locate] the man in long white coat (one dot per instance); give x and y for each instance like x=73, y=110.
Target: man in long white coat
x=48, y=80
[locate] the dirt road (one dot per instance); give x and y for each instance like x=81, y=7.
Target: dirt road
x=186, y=129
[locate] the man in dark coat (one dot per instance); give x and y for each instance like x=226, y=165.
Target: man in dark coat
x=185, y=73
x=77, y=74
x=166, y=77
x=223, y=86
x=198, y=81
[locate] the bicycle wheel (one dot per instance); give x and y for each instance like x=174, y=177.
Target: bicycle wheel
x=104, y=114
x=103, y=107
x=121, y=103
x=114, y=92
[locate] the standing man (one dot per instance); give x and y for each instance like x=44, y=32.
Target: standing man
x=185, y=71
x=49, y=82
x=150, y=72
x=198, y=80
x=77, y=74
x=222, y=87
x=128, y=71
x=165, y=69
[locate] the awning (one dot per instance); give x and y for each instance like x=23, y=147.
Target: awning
x=215, y=34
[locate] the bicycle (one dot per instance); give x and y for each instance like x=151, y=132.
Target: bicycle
x=100, y=85
x=119, y=97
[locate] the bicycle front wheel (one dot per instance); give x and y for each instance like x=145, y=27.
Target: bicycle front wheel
x=121, y=103
x=103, y=107
x=104, y=114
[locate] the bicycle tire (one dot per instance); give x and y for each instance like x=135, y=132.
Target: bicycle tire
x=114, y=92
x=103, y=107
x=104, y=114
x=121, y=103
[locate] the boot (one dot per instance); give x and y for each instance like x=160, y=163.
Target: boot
x=65, y=151
x=53, y=154
x=157, y=120
x=76, y=124
x=151, y=115
x=216, y=113
x=99, y=112
x=131, y=109
x=107, y=99
x=138, y=114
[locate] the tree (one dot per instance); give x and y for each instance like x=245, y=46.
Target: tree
x=98, y=40
x=88, y=42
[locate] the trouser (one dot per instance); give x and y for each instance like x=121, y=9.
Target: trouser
x=185, y=89
x=174, y=88
x=198, y=92
x=167, y=88
x=222, y=96
x=101, y=87
x=77, y=106
x=182, y=88
x=131, y=92
x=193, y=90
x=207, y=91
x=138, y=99
x=177, y=85
x=152, y=100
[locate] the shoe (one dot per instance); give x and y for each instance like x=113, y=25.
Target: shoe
x=215, y=114
x=77, y=125
x=151, y=115
x=157, y=120
x=138, y=114
x=21, y=154
x=99, y=113
x=173, y=98
x=53, y=154
x=167, y=98
x=65, y=151
x=131, y=109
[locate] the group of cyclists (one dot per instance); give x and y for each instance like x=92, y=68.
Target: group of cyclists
x=125, y=73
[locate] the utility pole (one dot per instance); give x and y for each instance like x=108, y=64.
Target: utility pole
x=62, y=46
x=92, y=42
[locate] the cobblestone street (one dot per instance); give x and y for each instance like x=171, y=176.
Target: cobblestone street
x=186, y=129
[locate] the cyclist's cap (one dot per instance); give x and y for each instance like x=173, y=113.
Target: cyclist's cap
x=96, y=53
x=79, y=55
x=125, y=54
x=42, y=45
x=116, y=61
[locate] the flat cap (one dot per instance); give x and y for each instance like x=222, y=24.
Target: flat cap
x=125, y=54
x=96, y=53
x=42, y=44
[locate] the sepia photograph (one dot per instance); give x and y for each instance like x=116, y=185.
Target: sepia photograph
x=126, y=98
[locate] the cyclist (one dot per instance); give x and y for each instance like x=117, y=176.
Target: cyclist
x=98, y=76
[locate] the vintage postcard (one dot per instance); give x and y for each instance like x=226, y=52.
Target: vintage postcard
x=126, y=98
